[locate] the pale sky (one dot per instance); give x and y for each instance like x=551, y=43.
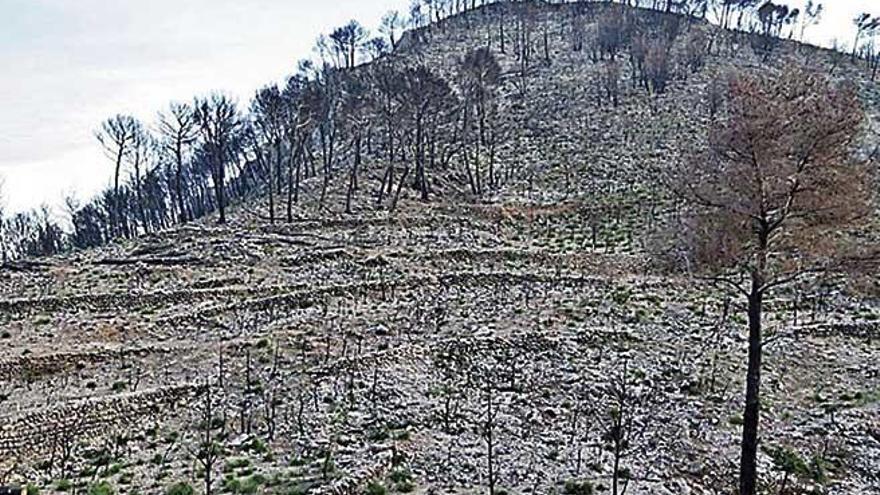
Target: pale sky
x=69, y=64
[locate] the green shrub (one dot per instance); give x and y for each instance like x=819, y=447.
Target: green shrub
x=101, y=488
x=400, y=476
x=251, y=485
x=293, y=489
x=246, y=486
x=256, y=445
x=63, y=485
x=376, y=488
x=819, y=468
x=232, y=485
x=577, y=487
x=408, y=486
x=378, y=435
x=788, y=461
x=180, y=489
x=237, y=463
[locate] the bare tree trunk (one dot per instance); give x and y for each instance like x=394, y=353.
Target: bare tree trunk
x=178, y=181
x=748, y=461
x=352, y=180
x=399, y=187
x=219, y=188
x=138, y=195
x=420, y=160
x=293, y=177
x=297, y=180
x=490, y=439
x=116, y=202
x=386, y=179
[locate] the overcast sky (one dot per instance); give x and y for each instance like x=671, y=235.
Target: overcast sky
x=69, y=64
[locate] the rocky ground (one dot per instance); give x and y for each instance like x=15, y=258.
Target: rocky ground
x=410, y=351
x=345, y=351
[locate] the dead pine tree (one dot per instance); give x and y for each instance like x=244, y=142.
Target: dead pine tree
x=271, y=401
x=65, y=443
x=632, y=407
x=117, y=135
x=178, y=132
x=773, y=200
x=208, y=450
x=489, y=417
x=267, y=130
x=218, y=119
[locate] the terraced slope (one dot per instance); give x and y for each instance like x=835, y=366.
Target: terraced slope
x=377, y=341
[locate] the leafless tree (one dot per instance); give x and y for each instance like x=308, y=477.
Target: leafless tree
x=268, y=112
x=658, y=66
x=324, y=96
x=489, y=424
x=208, y=451
x=117, y=135
x=715, y=92
x=526, y=18
x=610, y=77
x=612, y=32
x=872, y=54
x=384, y=81
x=812, y=15
x=179, y=131
x=347, y=40
x=298, y=119
x=141, y=148
x=632, y=407
x=423, y=94
x=866, y=25
x=392, y=23
x=480, y=74
x=695, y=50
x=218, y=120
x=357, y=111
x=577, y=27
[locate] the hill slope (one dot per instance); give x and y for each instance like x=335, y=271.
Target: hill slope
x=402, y=348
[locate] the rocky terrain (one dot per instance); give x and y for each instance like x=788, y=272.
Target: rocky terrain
x=448, y=346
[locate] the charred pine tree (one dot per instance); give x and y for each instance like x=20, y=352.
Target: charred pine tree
x=208, y=451
x=179, y=131
x=117, y=135
x=423, y=93
x=268, y=114
x=299, y=116
x=480, y=74
x=218, y=120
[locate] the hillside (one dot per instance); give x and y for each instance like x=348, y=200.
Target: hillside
x=394, y=350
